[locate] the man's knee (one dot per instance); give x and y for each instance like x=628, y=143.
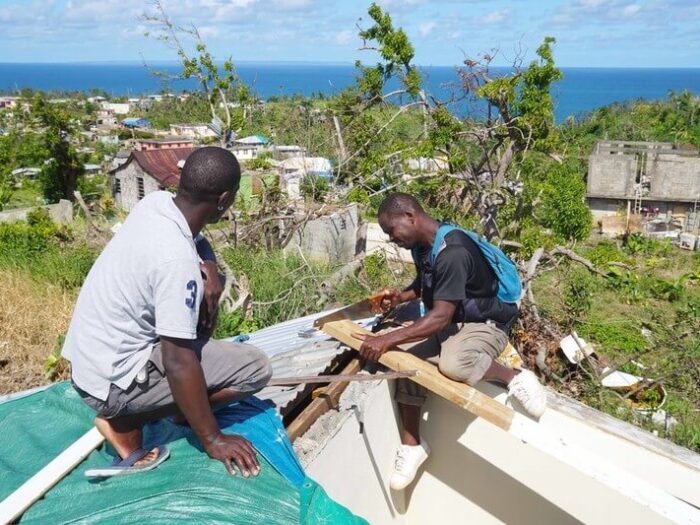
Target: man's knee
x=467, y=366
x=239, y=366
x=260, y=368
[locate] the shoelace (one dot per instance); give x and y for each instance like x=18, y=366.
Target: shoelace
x=519, y=391
x=400, y=461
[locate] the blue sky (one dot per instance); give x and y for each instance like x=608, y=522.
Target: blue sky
x=589, y=33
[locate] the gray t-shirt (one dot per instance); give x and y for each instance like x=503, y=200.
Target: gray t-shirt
x=146, y=283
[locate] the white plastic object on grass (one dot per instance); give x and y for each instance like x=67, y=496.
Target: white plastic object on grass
x=574, y=347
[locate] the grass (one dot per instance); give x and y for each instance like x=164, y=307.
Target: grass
x=638, y=314
x=32, y=317
x=28, y=194
x=287, y=286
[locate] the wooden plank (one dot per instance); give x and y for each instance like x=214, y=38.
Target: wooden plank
x=12, y=507
x=428, y=376
x=322, y=404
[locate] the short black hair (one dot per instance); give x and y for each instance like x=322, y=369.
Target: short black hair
x=399, y=203
x=209, y=172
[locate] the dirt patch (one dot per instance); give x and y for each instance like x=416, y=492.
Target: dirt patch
x=32, y=317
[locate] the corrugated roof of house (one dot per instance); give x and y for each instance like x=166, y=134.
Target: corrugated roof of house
x=252, y=140
x=161, y=164
x=296, y=348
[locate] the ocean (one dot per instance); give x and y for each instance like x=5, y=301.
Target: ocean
x=581, y=90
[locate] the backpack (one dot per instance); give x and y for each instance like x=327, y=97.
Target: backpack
x=510, y=288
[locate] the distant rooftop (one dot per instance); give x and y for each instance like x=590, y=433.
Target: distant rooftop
x=166, y=140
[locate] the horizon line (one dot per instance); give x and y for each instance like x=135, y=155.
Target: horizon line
x=295, y=62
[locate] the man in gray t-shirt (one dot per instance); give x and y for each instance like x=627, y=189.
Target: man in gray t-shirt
x=139, y=342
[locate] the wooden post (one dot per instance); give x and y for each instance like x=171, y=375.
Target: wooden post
x=321, y=404
x=428, y=376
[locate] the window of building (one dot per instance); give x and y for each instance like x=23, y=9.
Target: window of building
x=142, y=191
x=117, y=186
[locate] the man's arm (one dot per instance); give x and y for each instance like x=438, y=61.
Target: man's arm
x=189, y=388
x=213, y=287
x=437, y=318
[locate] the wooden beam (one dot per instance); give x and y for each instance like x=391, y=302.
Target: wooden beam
x=322, y=404
x=428, y=376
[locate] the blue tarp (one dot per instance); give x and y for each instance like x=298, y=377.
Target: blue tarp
x=188, y=486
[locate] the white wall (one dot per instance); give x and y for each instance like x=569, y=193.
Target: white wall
x=478, y=473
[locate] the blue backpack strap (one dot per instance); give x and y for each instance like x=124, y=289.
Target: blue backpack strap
x=443, y=230
x=509, y=284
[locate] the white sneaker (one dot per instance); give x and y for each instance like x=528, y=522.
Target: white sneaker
x=526, y=388
x=406, y=462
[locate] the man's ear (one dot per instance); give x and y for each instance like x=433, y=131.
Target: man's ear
x=225, y=199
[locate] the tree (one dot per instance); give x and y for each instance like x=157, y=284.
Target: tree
x=220, y=87
x=60, y=173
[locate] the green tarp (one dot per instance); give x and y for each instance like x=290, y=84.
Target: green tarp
x=189, y=486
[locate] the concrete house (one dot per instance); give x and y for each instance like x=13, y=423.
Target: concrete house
x=146, y=171
x=106, y=117
x=644, y=178
x=192, y=131
x=248, y=148
x=164, y=143
x=118, y=108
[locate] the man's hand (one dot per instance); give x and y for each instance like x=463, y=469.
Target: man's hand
x=373, y=346
x=213, y=289
x=384, y=300
x=230, y=449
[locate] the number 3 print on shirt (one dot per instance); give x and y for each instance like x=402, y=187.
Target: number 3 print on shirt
x=192, y=299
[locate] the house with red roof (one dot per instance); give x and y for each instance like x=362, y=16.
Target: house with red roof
x=146, y=171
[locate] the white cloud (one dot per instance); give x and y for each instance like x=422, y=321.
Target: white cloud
x=292, y=4
x=344, y=37
x=426, y=28
x=495, y=17
x=631, y=10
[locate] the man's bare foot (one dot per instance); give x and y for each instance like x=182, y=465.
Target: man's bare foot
x=124, y=438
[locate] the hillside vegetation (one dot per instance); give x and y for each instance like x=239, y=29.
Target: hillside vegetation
x=512, y=174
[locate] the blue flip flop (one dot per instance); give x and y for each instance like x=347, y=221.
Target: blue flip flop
x=125, y=466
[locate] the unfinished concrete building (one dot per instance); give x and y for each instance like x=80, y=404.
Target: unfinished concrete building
x=653, y=179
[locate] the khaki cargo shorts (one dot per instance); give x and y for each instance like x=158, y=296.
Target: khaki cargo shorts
x=462, y=351
x=238, y=366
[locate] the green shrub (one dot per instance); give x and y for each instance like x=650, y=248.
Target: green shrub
x=563, y=208
x=45, y=251
x=622, y=336
x=314, y=187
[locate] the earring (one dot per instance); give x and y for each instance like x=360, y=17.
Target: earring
x=220, y=208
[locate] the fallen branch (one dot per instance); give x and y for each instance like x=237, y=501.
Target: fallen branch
x=88, y=215
x=339, y=275
x=241, y=286
x=560, y=250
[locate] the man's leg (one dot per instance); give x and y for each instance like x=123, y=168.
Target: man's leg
x=410, y=397
x=232, y=371
x=470, y=356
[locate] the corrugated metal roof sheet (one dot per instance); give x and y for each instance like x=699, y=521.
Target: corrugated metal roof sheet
x=296, y=348
x=253, y=140
x=161, y=164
